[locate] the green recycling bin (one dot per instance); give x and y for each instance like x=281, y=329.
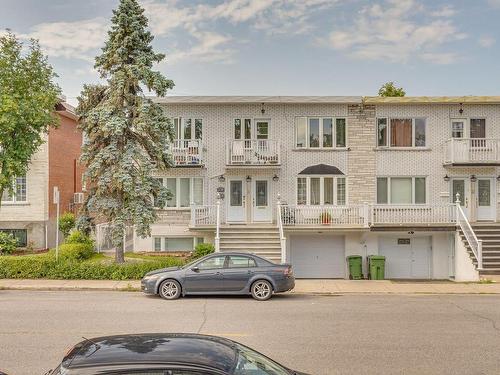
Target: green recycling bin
x=376, y=267
x=354, y=263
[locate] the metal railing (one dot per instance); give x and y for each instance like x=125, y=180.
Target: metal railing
x=187, y=152
x=472, y=150
x=324, y=215
x=280, y=229
x=475, y=244
x=415, y=214
x=253, y=152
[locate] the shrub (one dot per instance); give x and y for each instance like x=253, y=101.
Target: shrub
x=45, y=267
x=76, y=251
x=8, y=243
x=66, y=223
x=79, y=237
x=203, y=249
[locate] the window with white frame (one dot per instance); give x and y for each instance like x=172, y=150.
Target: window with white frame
x=176, y=244
x=321, y=190
x=184, y=191
x=320, y=132
x=401, y=190
x=19, y=189
x=188, y=128
x=401, y=132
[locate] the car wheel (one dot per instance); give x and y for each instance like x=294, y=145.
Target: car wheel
x=170, y=289
x=262, y=290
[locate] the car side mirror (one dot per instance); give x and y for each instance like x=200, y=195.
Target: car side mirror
x=195, y=269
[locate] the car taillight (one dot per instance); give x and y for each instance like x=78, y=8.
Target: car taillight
x=288, y=271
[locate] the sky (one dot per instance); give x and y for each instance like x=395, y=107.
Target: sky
x=282, y=47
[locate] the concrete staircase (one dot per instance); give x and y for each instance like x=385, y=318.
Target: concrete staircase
x=259, y=239
x=489, y=233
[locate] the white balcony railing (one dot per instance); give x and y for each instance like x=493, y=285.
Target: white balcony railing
x=324, y=215
x=206, y=215
x=472, y=151
x=188, y=152
x=253, y=152
x=416, y=214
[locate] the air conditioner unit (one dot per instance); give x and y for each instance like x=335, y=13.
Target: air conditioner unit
x=78, y=198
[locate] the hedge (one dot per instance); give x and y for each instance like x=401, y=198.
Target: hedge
x=46, y=267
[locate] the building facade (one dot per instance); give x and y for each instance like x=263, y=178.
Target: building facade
x=311, y=180
x=30, y=213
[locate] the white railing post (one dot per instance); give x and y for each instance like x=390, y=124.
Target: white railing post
x=217, y=225
x=280, y=228
x=366, y=213
x=457, y=208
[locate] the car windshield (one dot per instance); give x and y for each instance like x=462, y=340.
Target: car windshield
x=250, y=362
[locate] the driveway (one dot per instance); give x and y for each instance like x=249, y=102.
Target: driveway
x=345, y=334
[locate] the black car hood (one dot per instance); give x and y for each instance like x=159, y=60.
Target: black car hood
x=161, y=270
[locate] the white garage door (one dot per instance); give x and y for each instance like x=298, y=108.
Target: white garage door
x=406, y=257
x=315, y=256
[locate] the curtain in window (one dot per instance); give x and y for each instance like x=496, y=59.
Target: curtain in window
x=401, y=191
x=198, y=129
x=419, y=132
x=328, y=190
x=187, y=128
x=420, y=190
x=382, y=190
x=178, y=243
x=184, y=187
x=401, y=132
x=315, y=191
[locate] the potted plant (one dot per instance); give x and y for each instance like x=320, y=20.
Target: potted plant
x=325, y=217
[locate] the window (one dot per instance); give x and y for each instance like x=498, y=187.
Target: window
x=243, y=129
x=20, y=191
x=401, y=132
x=176, y=244
x=477, y=128
x=20, y=234
x=457, y=129
x=262, y=129
x=184, y=191
x=320, y=132
x=321, y=190
x=188, y=128
x=401, y=190
x=212, y=263
x=241, y=262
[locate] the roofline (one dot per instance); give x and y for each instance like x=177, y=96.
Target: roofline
x=69, y=111
x=258, y=99
x=471, y=99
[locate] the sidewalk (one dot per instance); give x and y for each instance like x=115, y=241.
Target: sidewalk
x=319, y=286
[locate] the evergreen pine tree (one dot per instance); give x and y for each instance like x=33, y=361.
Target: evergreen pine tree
x=126, y=133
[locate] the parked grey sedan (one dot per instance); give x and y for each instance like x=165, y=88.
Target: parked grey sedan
x=221, y=273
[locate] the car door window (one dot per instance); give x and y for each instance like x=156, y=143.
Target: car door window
x=241, y=262
x=212, y=263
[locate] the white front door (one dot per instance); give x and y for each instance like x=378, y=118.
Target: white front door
x=461, y=186
x=236, y=206
x=485, y=199
x=261, y=206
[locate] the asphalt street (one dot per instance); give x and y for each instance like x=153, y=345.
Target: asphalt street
x=351, y=334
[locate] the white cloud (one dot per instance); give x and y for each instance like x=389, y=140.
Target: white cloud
x=209, y=47
x=486, y=41
x=393, y=31
x=70, y=39
x=445, y=11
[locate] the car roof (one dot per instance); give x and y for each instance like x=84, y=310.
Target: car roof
x=155, y=349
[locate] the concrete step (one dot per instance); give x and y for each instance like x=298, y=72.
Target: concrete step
x=249, y=240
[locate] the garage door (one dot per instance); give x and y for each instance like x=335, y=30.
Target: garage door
x=317, y=256
x=406, y=257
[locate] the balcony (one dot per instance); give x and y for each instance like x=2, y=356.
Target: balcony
x=413, y=215
x=325, y=216
x=472, y=152
x=187, y=152
x=253, y=152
